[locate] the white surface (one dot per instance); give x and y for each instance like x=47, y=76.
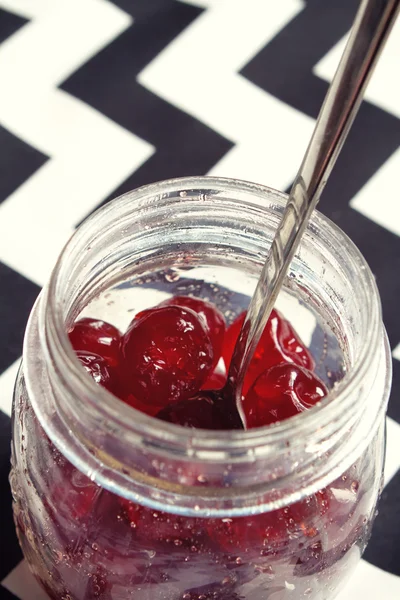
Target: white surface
x=90, y=155
x=378, y=199
x=193, y=74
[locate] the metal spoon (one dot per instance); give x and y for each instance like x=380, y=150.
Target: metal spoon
x=369, y=33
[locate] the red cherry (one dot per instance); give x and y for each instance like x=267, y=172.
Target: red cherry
x=339, y=527
x=77, y=495
x=122, y=389
x=281, y=392
x=216, y=380
x=199, y=412
x=82, y=496
x=211, y=316
x=96, y=337
x=97, y=367
x=131, y=511
x=340, y=501
x=98, y=587
x=269, y=531
x=167, y=355
x=279, y=343
x=155, y=526
x=240, y=534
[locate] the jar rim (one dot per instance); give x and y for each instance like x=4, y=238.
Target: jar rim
x=205, y=444
x=347, y=383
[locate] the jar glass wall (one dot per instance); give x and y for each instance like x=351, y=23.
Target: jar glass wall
x=110, y=503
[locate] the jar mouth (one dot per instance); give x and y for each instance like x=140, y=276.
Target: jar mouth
x=133, y=417
x=337, y=411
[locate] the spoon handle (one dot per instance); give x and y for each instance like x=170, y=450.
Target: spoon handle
x=368, y=35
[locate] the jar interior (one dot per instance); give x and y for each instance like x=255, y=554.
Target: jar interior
x=208, y=238
x=216, y=251
x=229, y=285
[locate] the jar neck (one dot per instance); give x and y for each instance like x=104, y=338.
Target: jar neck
x=196, y=471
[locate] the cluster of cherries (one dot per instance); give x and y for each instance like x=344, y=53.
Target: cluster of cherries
x=168, y=356
x=175, y=350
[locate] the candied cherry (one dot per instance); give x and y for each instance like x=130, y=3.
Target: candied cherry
x=199, y=412
x=216, y=380
x=96, y=337
x=122, y=389
x=341, y=498
x=282, y=391
x=131, y=511
x=153, y=526
x=270, y=531
x=338, y=530
x=211, y=316
x=97, y=367
x=98, y=587
x=167, y=355
x=240, y=534
x=76, y=495
x=81, y=495
x=279, y=343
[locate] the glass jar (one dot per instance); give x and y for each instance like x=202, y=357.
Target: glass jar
x=110, y=503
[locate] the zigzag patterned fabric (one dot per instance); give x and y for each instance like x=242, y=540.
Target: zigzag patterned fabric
x=98, y=97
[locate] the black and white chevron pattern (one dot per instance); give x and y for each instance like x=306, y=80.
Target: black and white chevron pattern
x=100, y=96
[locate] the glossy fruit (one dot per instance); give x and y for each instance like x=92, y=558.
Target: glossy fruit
x=97, y=367
x=279, y=343
x=167, y=355
x=96, y=337
x=268, y=532
x=282, y=391
x=76, y=495
x=130, y=511
x=152, y=526
x=97, y=586
x=81, y=495
x=211, y=316
x=339, y=527
x=216, y=380
x=340, y=501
